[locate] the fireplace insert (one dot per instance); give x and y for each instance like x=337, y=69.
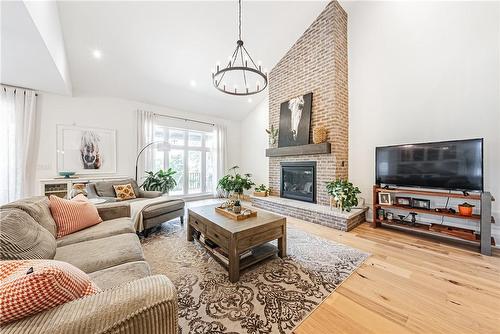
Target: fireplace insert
x=298, y=180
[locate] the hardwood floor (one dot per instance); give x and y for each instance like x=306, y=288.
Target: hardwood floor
x=408, y=285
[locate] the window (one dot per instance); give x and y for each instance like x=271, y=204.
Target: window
x=190, y=155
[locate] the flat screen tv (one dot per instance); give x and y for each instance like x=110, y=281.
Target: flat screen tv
x=450, y=165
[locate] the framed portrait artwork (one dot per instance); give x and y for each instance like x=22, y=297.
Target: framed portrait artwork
x=86, y=150
x=384, y=198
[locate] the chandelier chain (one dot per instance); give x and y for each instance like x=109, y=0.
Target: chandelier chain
x=239, y=19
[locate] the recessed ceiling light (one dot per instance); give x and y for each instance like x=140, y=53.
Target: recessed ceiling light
x=249, y=100
x=192, y=83
x=97, y=54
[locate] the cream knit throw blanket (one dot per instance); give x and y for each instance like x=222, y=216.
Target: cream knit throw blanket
x=137, y=207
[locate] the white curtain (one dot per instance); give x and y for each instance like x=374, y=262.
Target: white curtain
x=146, y=121
x=220, y=149
x=19, y=135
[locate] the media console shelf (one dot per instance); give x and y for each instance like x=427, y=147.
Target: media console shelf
x=484, y=219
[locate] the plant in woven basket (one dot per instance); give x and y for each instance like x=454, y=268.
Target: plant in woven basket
x=263, y=188
x=162, y=180
x=235, y=183
x=344, y=193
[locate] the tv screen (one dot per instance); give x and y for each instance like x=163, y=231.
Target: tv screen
x=451, y=165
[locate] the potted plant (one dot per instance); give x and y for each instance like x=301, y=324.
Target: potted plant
x=162, y=180
x=343, y=193
x=273, y=135
x=465, y=209
x=262, y=191
x=234, y=182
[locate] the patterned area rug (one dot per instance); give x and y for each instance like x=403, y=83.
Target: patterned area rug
x=271, y=297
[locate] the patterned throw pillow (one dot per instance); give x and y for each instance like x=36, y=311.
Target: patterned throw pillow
x=31, y=286
x=124, y=191
x=73, y=215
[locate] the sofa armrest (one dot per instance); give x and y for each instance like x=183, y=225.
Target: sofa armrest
x=109, y=211
x=149, y=193
x=147, y=305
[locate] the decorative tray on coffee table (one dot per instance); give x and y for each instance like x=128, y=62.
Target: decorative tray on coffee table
x=244, y=214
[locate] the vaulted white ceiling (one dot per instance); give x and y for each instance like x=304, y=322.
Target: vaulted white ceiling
x=151, y=51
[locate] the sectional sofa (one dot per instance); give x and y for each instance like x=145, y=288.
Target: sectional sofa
x=132, y=299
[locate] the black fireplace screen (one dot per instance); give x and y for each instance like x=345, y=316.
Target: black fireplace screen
x=298, y=180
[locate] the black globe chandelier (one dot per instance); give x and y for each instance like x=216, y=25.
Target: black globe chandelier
x=240, y=68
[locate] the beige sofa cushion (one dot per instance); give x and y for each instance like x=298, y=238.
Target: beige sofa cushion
x=118, y=275
x=99, y=254
x=105, y=229
x=105, y=188
x=22, y=238
x=38, y=208
x=161, y=208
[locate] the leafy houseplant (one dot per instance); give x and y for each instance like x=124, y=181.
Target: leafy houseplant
x=235, y=183
x=262, y=190
x=343, y=193
x=162, y=180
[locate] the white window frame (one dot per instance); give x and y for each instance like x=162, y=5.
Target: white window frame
x=186, y=149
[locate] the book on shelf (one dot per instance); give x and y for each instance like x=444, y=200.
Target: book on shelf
x=223, y=253
x=217, y=250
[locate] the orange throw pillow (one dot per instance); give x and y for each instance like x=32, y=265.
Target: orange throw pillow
x=73, y=215
x=124, y=191
x=31, y=286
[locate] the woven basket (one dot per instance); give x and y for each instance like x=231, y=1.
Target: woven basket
x=319, y=135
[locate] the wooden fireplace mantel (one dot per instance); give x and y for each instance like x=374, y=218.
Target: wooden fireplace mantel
x=323, y=148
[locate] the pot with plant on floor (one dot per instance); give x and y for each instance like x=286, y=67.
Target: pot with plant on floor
x=235, y=183
x=162, y=180
x=343, y=194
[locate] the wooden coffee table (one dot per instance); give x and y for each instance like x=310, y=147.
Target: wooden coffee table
x=236, y=237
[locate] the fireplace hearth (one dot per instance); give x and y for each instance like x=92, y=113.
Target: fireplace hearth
x=298, y=180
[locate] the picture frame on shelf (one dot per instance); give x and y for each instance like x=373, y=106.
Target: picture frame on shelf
x=420, y=203
x=403, y=201
x=86, y=150
x=384, y=198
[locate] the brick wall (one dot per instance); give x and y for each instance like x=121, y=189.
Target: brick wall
x=316, y=63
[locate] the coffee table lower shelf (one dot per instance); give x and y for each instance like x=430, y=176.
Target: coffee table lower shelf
x=259, y=253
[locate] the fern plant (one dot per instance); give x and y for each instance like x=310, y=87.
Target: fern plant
x=162, y=180
x=344, y=193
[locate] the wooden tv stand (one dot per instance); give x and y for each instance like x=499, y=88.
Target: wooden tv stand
x=484, y=218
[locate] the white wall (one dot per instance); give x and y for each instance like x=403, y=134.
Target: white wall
x=254, y=141
x=420, y=72
x=109, y=113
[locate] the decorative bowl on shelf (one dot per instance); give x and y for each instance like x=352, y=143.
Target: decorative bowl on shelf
x=465, y=209
x=66, y=174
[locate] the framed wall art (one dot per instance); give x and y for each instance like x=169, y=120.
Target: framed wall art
x=86, y=150
x=295, y=121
